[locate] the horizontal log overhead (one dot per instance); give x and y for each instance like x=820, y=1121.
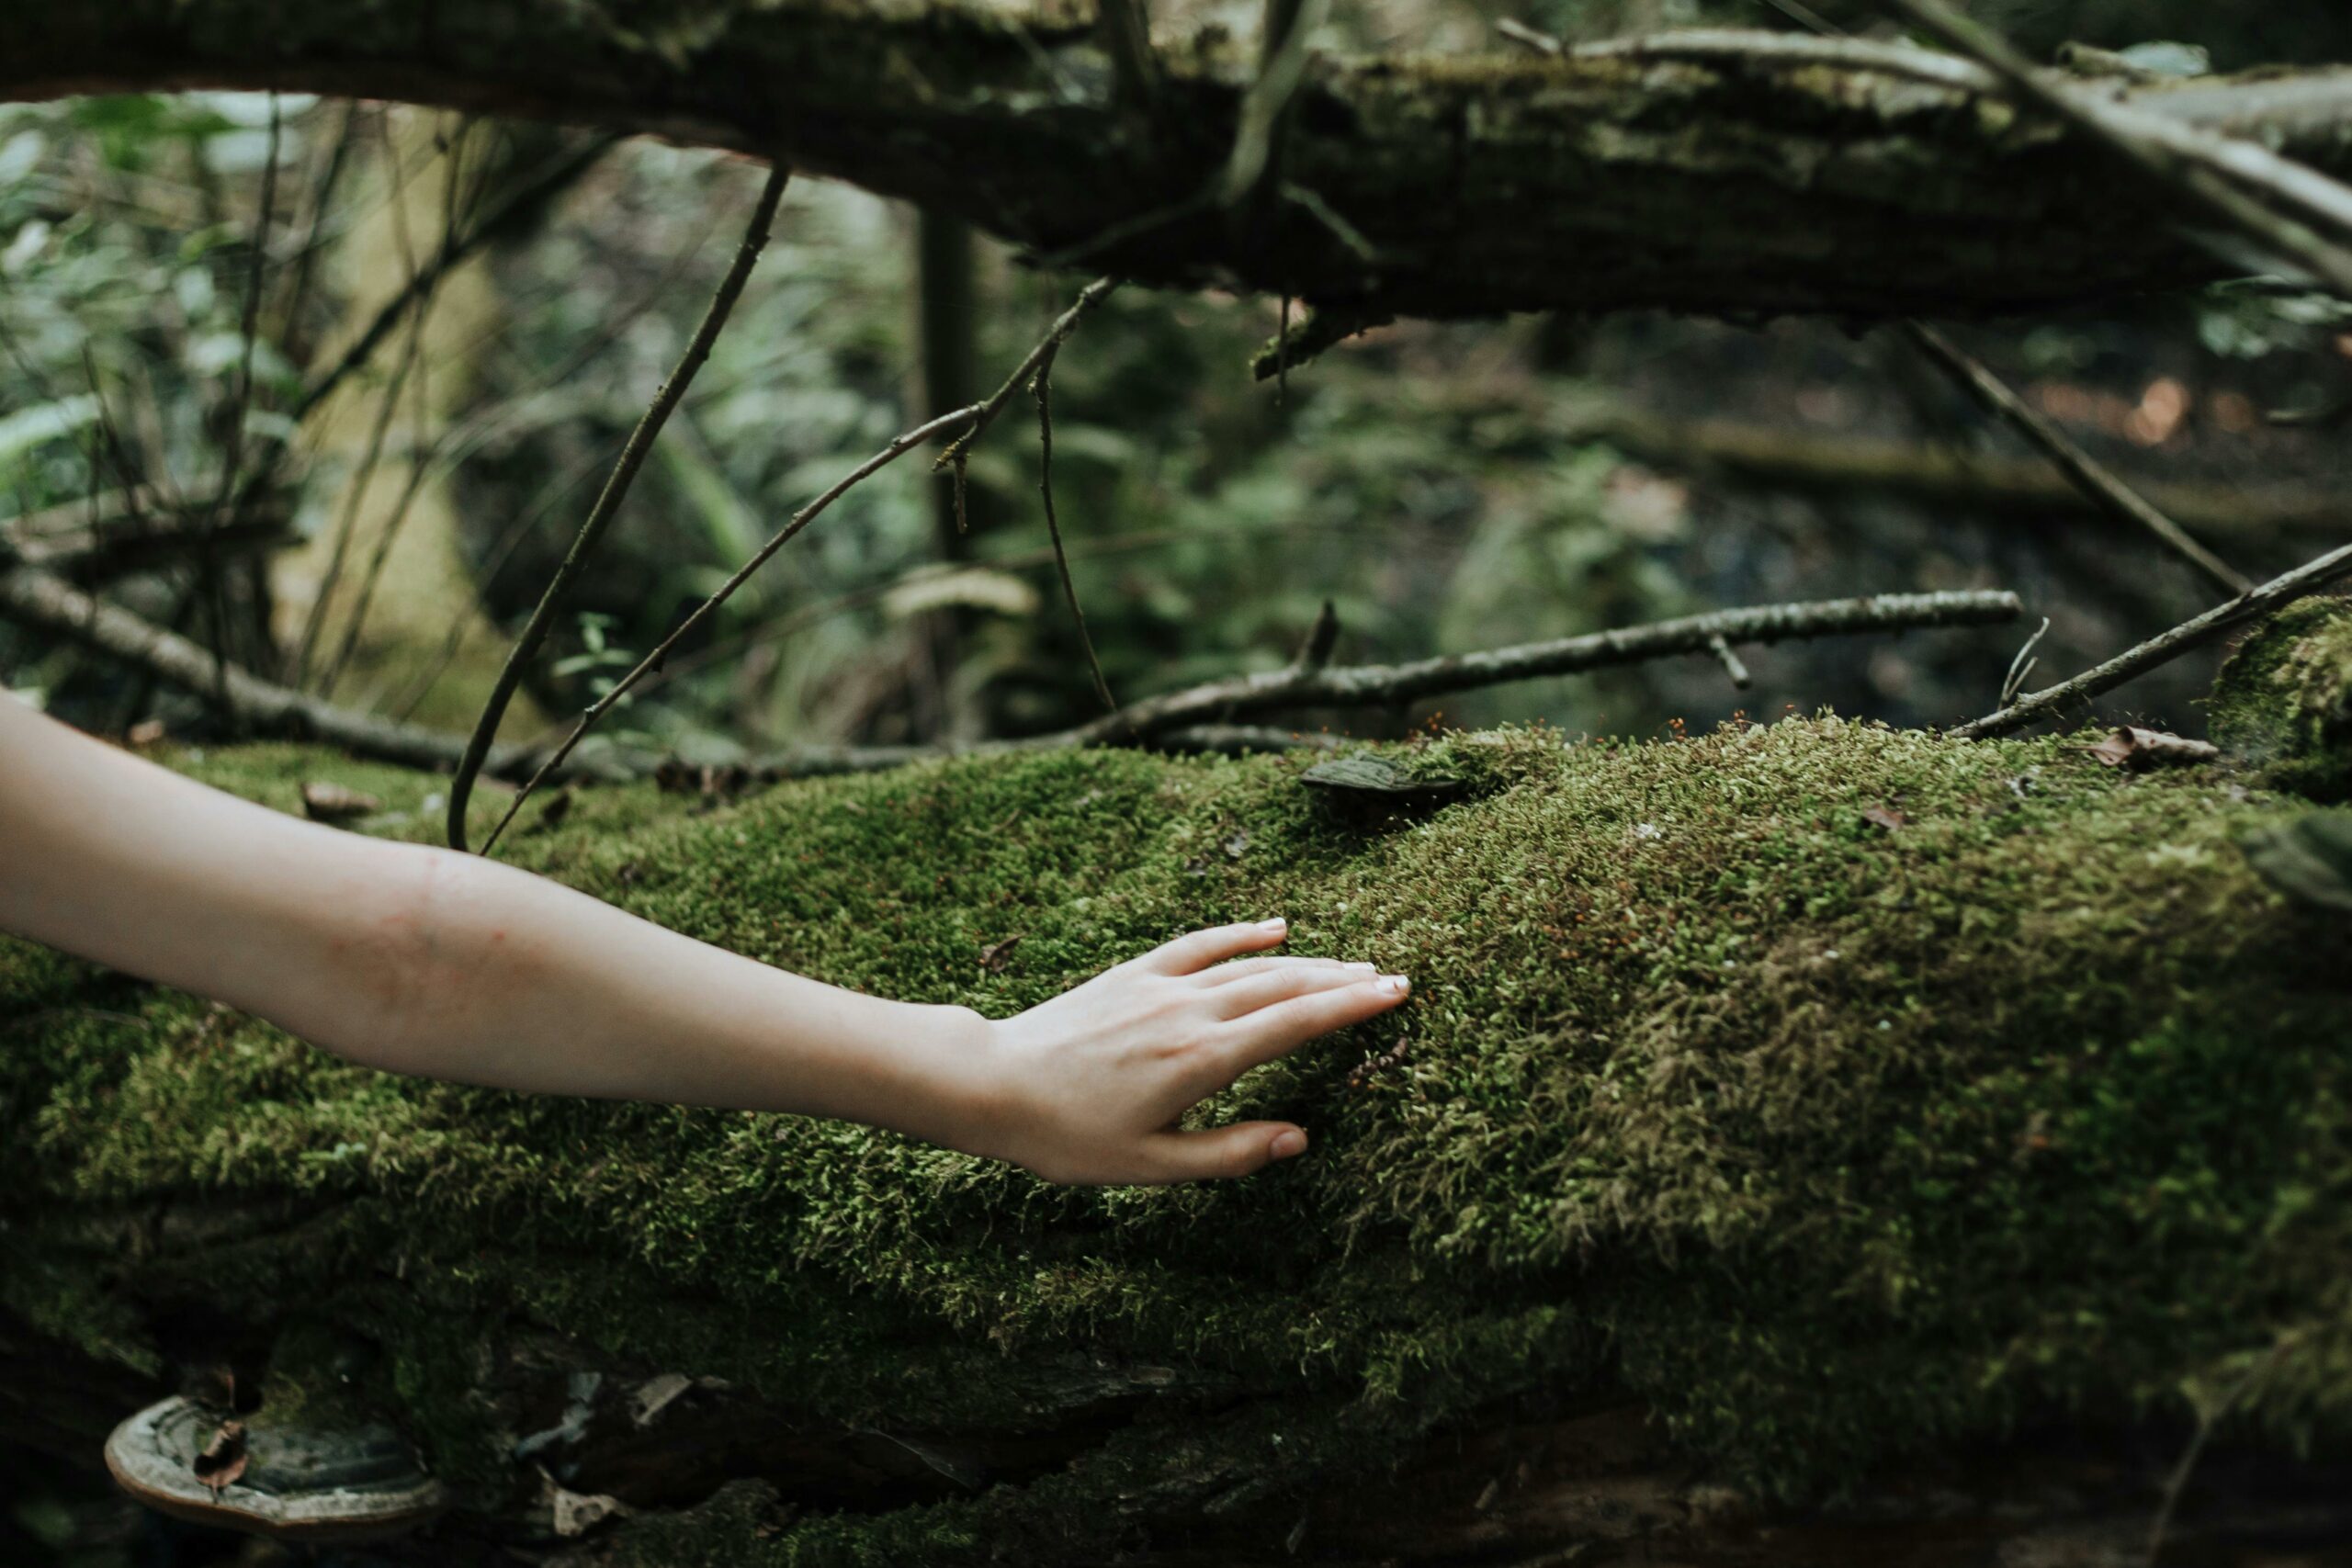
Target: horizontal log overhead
x=1707, y=171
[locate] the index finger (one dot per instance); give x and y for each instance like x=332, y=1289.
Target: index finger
x=1189, y=954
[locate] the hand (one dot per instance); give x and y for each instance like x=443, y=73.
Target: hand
x=1090, y=1084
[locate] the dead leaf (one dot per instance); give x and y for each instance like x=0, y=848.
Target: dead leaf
x=223, y=1459
x=997, y=954
x=324, y=802
x=1886, y=817
x=2132, y=747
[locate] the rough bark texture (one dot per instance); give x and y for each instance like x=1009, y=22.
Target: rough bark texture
x=1721, y=171
x=1809, y=1145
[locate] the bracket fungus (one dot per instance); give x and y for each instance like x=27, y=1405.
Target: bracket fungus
x=303, y=1484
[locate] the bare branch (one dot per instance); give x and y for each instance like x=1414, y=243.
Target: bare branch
x=600, y=516
x=1293, y=687
x=49, y=603
x=2093, y=478
x=1043, y=387
x=985, y=413
x=2279, y=591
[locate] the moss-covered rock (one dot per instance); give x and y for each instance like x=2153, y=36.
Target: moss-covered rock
x=2284, y=699
x=1840, y=1093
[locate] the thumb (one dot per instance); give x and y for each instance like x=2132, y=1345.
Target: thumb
x=1225, y=1152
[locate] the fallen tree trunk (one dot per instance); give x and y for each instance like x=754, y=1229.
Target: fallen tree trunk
x=1809, y=1144
x=1721, y=171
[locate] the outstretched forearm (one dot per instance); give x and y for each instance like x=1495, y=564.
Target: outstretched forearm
x=416, y=960
x=421, y=960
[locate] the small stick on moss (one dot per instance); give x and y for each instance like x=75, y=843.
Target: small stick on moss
x=2021, y=667
x=1730, y=660
x=1374, y=684
x=2093, y=478
x=1043, y=387
x=632, y=458
x=2135, y=662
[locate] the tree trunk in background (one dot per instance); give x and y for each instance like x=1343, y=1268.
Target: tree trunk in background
x=425, y=582
x=1722, y=172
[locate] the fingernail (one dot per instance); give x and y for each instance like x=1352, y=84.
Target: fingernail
x=1276, y=924
x=1287, y=1143
x=1397, y=983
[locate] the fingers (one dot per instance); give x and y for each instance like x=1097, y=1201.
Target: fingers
x=1189, y=954
x=1242, y=968
x=1267, y=987
x=1285, y=1026
x=1222, y=1153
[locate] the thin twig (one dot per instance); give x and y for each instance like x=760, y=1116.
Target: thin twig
x=469, y=611
x=1520, y=33
x=2298, y=584
x=600, y=516
x=1721, y=648
x=1293, y=688
x=984, y=412
x=2176, y=1483
x=1043, y=387
x=899, y=446
x=2188, y=162
x=2093, y=478
x=2021, y=667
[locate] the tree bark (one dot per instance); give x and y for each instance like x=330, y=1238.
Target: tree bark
x=1719, y=172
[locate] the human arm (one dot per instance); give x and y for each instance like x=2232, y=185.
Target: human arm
x=422, y=961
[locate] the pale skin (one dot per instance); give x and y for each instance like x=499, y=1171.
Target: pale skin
x=422, y=961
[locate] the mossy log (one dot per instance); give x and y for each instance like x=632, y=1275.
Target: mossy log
x=1706, y=171
x=1810, y=1142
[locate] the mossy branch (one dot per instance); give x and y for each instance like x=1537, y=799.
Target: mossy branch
x=1709, y=170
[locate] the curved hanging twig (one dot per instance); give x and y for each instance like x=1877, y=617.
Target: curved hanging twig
x=600, y=516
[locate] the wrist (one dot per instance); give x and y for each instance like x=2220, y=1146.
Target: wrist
x=966, y=1098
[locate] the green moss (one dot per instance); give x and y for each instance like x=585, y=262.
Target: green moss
x=2284, y=699
x=1831, y=1142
